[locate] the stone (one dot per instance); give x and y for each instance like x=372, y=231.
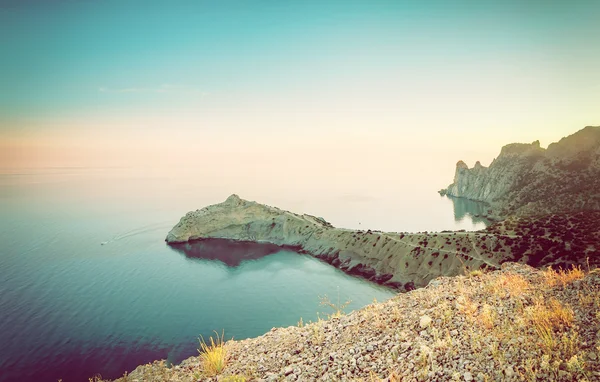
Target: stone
x=425, y=321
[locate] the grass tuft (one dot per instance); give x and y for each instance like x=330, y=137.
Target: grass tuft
x=487, y=317
x=512, y=283
x=213, y=357
x=549, y=318
x=562, y=276
x=476, y=273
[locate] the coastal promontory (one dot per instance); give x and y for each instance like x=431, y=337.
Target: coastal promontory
x=400, y=260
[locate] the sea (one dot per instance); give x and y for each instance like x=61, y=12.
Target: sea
x=88, y=285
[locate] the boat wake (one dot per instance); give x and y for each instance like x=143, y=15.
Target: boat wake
x=139, y=231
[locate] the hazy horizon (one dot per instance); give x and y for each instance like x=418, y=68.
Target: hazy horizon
x=292, y=87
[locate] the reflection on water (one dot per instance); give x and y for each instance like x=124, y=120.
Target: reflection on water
x=230, y=252
x=469, y=208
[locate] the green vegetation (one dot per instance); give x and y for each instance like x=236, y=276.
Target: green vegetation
x=559, y=240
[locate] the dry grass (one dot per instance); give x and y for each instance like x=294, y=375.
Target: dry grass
x=487, y=317
x=562, y=277
x=548, y=318
x=552, y=320
x=213, y=357
x=337, y=307
x=467, y=307
x=317, y=332
x=554, y=314
x=512, y=283
x=378, y=315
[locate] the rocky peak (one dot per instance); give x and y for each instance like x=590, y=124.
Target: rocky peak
x=460, y=167
x=521, y=149
x=584, y=142
x=461, y=164
x=234, y=199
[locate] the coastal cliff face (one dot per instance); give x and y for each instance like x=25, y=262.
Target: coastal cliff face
x=526, y=179
x=399, y=260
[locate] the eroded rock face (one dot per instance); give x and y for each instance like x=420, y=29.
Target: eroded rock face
x=403, y=261
x=526, y=179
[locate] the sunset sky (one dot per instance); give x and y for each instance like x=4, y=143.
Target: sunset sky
x=120, y=83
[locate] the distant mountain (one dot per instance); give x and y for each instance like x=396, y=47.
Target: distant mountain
x=526, y=179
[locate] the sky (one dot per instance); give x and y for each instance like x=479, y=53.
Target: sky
x=291, y=84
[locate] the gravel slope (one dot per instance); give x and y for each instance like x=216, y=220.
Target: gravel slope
x=481, y=327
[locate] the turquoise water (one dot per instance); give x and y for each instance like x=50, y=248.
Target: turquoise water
x=89, y=286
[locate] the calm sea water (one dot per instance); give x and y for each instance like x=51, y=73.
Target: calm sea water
x=88, y=285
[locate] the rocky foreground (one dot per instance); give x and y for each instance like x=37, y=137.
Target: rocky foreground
x=526, y=179
x=517, y=323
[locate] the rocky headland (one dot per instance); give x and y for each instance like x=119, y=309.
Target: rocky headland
x=526, y=179
x=400, y=260
x=397, y=259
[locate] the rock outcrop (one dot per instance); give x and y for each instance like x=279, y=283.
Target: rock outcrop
x=399, y=260
x=526, y=179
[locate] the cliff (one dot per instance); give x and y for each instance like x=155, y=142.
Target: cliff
x=526, y=179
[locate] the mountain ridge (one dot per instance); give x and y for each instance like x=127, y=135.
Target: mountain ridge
x=526, y=179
